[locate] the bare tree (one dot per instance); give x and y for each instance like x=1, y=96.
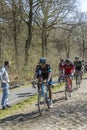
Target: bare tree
x=27, y=17
x=81, y=30
x=48, y=15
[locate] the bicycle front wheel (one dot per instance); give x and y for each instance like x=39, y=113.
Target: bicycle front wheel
x=67, y=92
x=41, y=103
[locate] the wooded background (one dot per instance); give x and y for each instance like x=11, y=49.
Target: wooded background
x=30, y=29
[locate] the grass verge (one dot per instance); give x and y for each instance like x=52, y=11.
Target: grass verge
x=20, y=106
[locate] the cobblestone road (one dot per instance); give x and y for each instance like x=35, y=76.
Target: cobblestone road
x=65, y=115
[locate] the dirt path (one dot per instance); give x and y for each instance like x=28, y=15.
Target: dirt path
x=65, y=115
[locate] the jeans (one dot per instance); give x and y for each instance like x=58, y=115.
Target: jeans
x=5, y=91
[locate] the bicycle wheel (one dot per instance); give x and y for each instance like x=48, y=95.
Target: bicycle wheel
x=67, y=92
x=41, y=103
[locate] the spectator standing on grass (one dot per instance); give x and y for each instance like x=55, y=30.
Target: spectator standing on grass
x=4, y=85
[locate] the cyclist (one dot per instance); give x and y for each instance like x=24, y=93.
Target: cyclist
x=60, y=68
x=85, y=66
x=78, y=67
x=43, y=70
x=69, y=69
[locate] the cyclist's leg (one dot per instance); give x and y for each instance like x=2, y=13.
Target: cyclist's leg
x=70, y=83
x=81, y=74
x=69, y=86
x=76, y=75
x=66, y=87
x=50, y=92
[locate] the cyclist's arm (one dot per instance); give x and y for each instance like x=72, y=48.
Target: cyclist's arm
x=49, y=73
x=49, y=76
x=73, y=71
x=64, y=68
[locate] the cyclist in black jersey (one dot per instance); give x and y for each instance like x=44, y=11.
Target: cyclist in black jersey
x=78, y=67
x=43, y=70
x=78, y=64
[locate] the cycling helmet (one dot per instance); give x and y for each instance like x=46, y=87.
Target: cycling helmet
x=61, y=60
x=83, y=61
x=76, y=57
x=68, y=60
x=42, y=60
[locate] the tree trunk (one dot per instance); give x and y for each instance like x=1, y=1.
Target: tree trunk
x=45, y=44
x=0, y=44
x=83, y=49
x=15, y=32
x=29, y=38
x=27, y=46
x=44, y=41
x=43, y=53
x=68, y=46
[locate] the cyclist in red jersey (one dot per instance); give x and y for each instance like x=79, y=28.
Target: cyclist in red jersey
x=61, y=64
x=69, y=69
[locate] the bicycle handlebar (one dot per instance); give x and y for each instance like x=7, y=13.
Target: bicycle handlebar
x=38, y=83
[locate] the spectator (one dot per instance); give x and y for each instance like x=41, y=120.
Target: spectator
x=4, y=84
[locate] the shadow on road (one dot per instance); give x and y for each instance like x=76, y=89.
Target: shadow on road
x=62, y=99
x=20, y=117
x=59, y=92
x=26, y=117
x=25, y=94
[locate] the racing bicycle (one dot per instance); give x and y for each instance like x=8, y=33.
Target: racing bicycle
x=43, y=98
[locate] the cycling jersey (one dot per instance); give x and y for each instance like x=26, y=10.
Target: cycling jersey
x=78, y=65
x=68, y=69
x=43, y=72
x=86, y=67
x=61, y=65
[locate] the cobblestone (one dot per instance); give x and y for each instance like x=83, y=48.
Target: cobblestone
x=65, y=115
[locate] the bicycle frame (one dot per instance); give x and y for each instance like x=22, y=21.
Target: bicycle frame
x=43, y=102
x=68, y=86
x=68, y=81
x=43, y=89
